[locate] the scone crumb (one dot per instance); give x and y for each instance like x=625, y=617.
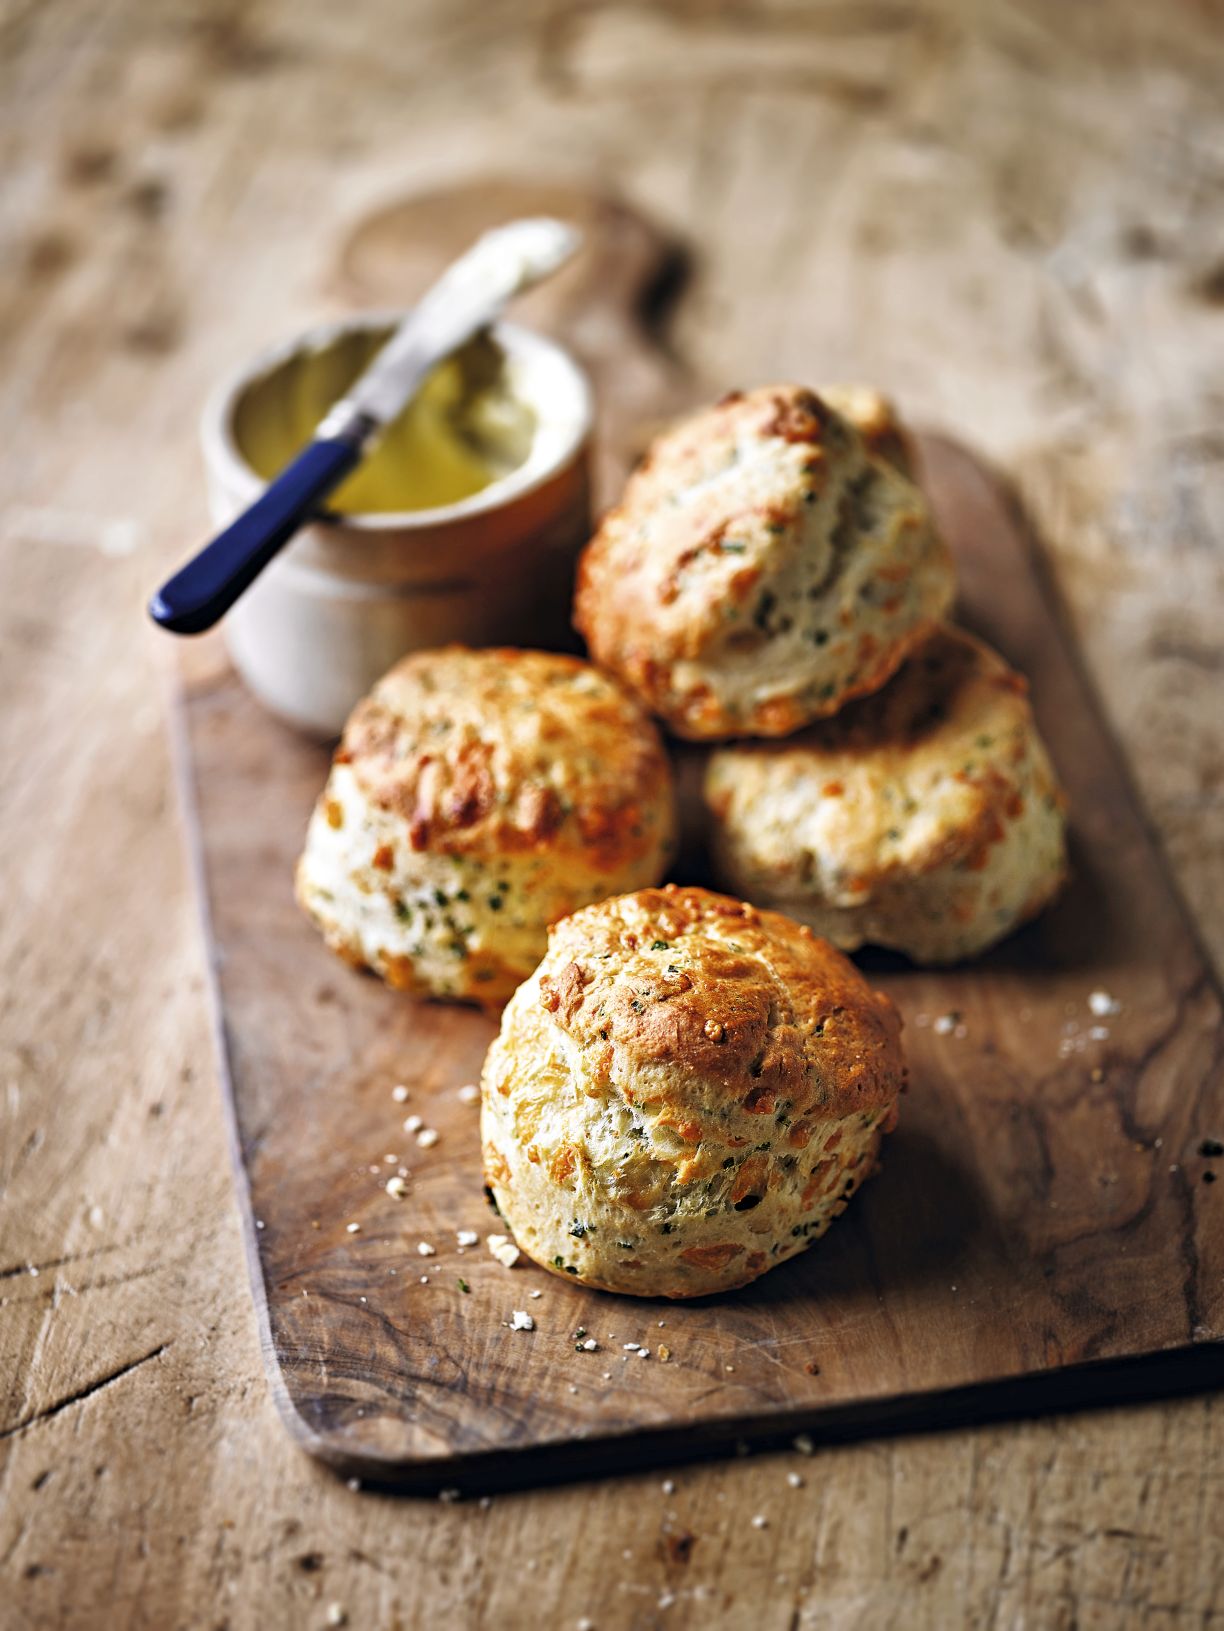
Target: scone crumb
x=668, y=1486
x=503, y=1249
x=337, y=1614
x=399, y=1093
x=467, y=1237
x=760, y=1521
x=413, y=1123
x=352, y=1228
x=664, y=1353
x=795, y=1480
x=469, y=1093
x=425, y=1249
x=803, y=1443
x=396, y=1187
x=427, y=1137
x=521, y=1320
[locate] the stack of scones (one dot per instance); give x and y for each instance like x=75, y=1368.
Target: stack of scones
x=688, y=1086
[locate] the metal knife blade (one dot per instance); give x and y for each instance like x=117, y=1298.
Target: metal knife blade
x=468, y=295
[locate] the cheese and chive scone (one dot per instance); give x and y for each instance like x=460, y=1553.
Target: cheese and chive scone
x=685, y=1093
x=926, y=818
x=764, y=566
x=475, y=797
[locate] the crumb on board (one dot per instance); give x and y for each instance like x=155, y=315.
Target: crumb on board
x=503, y=1249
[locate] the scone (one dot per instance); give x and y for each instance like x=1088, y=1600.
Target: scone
x=686, y=1092
x=875, y=418
x=926, y=817
x=763, y=567
x=475, y=797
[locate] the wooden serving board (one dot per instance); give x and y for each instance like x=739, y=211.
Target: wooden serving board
x=1043, y=1203
x=1044, y=1231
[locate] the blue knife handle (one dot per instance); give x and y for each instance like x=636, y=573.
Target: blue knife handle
x=205, y=589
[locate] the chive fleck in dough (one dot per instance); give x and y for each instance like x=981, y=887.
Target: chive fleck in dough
x=475, y=797
x=685, y=1093
x=926, y=818
x=766, y=564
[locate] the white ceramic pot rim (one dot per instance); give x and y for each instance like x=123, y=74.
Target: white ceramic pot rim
x=564, y=419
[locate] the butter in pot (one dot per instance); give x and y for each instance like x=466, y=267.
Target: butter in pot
x=464, y=430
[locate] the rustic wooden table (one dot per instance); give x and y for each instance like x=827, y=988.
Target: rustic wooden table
x=1009, y=214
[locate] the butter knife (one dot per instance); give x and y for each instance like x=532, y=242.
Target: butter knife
x=467, y=297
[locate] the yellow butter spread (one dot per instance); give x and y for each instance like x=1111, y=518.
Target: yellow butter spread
x=464, y=429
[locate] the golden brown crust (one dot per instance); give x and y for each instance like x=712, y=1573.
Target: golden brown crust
x=734, y=1003
x=502, y=750
x=762, y=567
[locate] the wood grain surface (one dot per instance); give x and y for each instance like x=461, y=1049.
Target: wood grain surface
x=1006, y=212
x=1047, y=1201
